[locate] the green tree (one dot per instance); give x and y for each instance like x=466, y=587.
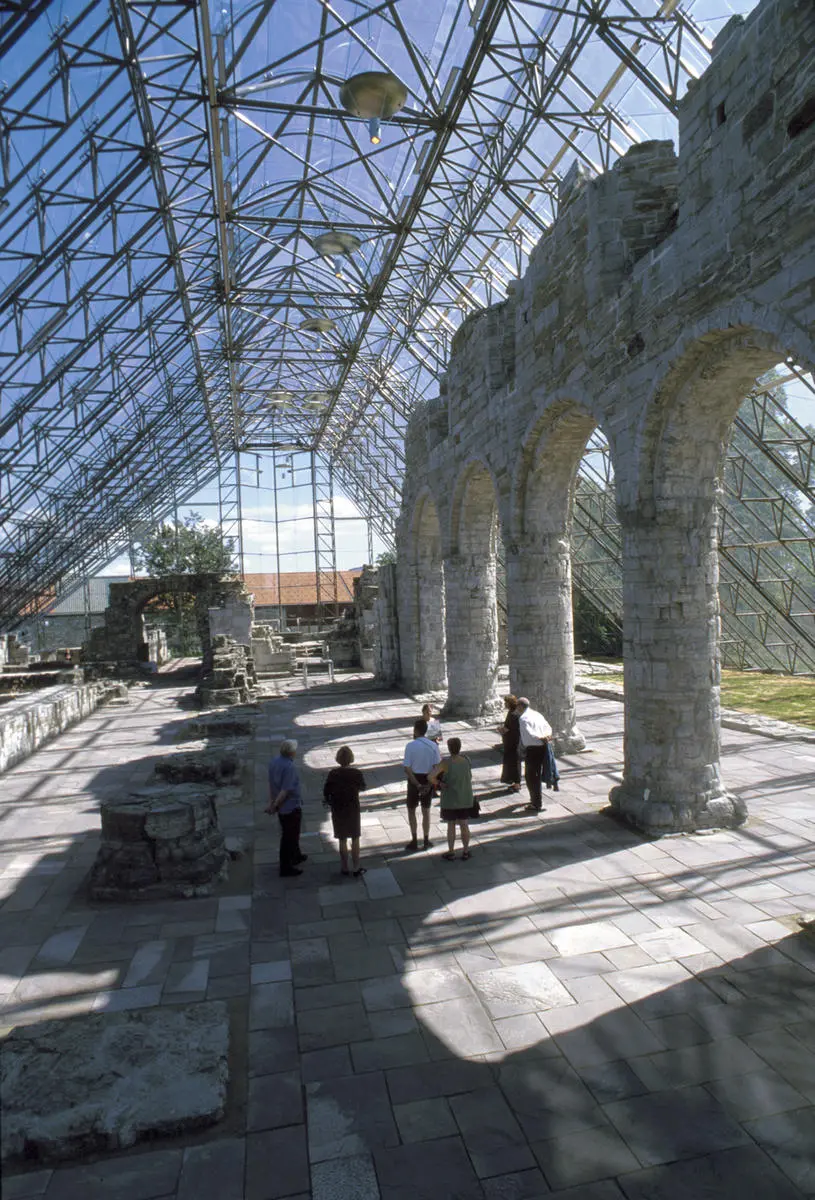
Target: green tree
x=188, y=547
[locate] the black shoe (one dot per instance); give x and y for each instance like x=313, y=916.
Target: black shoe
x=533, y=808
x=302, y=858
x=427, y=844
x=411, y=846
x=360, y=872
x=291, y=871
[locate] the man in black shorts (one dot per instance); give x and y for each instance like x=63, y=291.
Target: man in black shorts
x=421, y=756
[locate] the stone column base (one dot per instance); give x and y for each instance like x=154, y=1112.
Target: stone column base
x=571, y=742
x=491, y=712
x=657, y=813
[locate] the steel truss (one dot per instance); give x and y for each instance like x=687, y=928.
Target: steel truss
x=165, y=169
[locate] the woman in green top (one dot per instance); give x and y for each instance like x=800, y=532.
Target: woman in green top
x=455, y=777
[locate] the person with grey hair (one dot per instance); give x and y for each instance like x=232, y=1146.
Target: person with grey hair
x=286, y=801
x=535, y=734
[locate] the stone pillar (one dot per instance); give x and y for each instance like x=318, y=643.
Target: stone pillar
x=430, y=636
x=472, y=637
x=540, y=633
x=421, y=604
x=671, y=627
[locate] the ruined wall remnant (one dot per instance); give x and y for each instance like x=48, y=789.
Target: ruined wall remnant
x=159, y=841
x=663, y=289
x=122, y=638
x=231, y=679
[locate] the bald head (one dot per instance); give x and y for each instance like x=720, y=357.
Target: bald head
x=523, y=702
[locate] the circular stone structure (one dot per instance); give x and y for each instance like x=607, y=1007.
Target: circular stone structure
x=159, y=842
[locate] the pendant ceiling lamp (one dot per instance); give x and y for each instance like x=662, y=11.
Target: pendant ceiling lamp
x=317, y=325
x=317, y=399
x=279, y=397
x=334, y=245
x=375, y=96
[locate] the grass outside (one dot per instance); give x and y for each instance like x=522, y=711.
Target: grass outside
x=783, y=697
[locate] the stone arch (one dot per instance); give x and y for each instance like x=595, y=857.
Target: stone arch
x=475, y=509
x=705, y=382
x=547, y=468
x=672, y=776
x=472, y=626
x=121, y=638
x=539, y=575
x=428, y=598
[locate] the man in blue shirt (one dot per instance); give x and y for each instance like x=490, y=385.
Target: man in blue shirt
x=285, y=800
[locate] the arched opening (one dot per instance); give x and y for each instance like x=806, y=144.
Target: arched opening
x=671, y=530
x=539, y=570
x=471, y=591
x=169, y=627
x=428, y=599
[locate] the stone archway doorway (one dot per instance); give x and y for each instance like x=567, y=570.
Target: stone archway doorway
x=121, y=639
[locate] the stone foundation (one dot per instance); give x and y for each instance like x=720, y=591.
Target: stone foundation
x=31, y=720
x=159, y=842
x=106, y=1081
x=215, y=766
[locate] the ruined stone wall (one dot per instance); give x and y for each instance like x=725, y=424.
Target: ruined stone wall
x=121, y=639
x=663, y=289
x=386, y=627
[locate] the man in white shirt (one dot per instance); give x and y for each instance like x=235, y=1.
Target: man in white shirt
x=421, y=756
x=535, y=730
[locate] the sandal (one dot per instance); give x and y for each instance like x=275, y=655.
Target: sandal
x=465, y=854
x=361, y=871
x=449, y=856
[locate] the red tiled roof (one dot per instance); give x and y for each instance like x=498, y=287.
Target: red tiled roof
x=300, y=587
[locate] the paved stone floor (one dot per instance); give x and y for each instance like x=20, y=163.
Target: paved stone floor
x=574, y=1012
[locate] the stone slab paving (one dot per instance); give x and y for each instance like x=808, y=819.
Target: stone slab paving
x=575, y=1012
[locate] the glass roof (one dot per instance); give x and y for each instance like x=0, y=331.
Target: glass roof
x=167, y=171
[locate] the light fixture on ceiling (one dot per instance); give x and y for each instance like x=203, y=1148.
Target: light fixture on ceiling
x=317, y=325
x=375, y=96
x=335, y=245
x=317, y=399
x=280, y=398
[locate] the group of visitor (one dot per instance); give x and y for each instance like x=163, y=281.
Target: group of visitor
x=528, y=733
x=525, y=733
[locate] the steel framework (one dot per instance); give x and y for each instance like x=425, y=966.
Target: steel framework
x=166, y=168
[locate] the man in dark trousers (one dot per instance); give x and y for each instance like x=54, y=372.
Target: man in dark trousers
x=421, y=756
x=285, y=800
x=535, y=731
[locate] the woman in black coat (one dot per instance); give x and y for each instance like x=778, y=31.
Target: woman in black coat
x=511, y=735
x=341, y=793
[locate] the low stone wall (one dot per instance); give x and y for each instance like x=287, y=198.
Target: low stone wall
x=29, y=721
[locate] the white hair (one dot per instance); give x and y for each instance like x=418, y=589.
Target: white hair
x=522, y=700
x=288, y=747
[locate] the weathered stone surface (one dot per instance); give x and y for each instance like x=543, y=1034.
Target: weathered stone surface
x=159, y=842
x=108, y=1080
x=647, y=311
x=200, y=763
x=231, y=679
x=31, y=720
